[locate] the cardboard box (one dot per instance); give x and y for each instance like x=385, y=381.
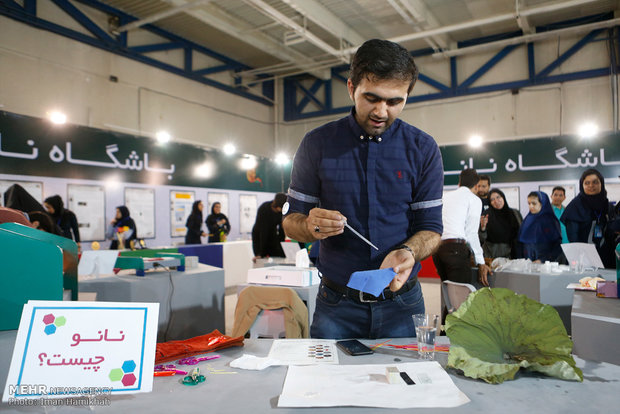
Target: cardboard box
x=284, y=276
x=606, y=289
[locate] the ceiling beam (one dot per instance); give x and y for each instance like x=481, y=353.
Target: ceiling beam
x=222, y=21
x=300, y=30
x=422, y=14
x=327, y=20
x=523, y=21
x=158, y=16
x=485, y=21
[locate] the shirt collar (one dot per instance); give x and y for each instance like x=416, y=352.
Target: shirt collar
x=362, y=136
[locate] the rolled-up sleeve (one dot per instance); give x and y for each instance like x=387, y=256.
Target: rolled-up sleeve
x=305, y=187
x=427, y=200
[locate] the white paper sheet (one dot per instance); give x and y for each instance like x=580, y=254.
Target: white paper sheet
x=304, y=351
x=367, y=386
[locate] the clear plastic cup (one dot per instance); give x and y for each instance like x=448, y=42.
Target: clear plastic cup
x=426, y=329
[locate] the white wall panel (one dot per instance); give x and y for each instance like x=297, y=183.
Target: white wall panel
x=43, y=71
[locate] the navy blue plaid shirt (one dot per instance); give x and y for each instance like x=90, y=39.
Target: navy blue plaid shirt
x=389, y=187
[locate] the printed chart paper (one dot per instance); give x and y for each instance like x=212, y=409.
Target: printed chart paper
x=367, y=386
x=304, y=351
x=70, y=349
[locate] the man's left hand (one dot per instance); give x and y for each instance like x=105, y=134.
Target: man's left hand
x=483, y=271
x=402, y=262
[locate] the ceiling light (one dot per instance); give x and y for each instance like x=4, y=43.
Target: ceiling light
x=163, y=137
x=229, y=149
x=588, y=130
x=205, y=170
x=248, y=163
x=57, y=117
x=282, y=159
x=475, y=141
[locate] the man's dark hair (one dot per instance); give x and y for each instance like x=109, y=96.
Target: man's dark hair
x=558, y=188
x=469, y=178
x=383, y=60
x=484, y=177
x=279, y=200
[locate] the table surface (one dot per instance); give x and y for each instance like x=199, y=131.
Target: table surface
x=193, y=300
x=258, y=391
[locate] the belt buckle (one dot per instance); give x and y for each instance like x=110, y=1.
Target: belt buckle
x=362, y=300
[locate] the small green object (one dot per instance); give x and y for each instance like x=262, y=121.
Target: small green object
x=60, y=321
x=194, y=378
x=496, y=332
x=116, y=374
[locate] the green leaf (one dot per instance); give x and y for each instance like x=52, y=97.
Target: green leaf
x=495, y=332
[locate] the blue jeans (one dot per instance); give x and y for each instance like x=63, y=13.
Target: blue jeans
x=337, y=316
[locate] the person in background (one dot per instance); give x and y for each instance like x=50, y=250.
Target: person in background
x=65, y=219
x=123, y=224
x=558, y=195
x=459, y=240
x=587, y=217
x=267, y=232
x=499, y=228
x=482, y=190
x=42, y=221
x=540, y=231
x=218, y=224
x=194, y=224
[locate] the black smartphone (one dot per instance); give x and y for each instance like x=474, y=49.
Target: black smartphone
x=354, y=347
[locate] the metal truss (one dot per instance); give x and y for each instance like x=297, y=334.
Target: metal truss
x=102, y=39
x=298, y=95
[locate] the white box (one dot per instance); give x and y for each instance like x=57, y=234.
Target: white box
x=284, y=275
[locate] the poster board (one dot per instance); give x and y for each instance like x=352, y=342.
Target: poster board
x=34, y=188
x=222, y=198
x=570, y=192
x=180, y=208
x=88, y=204
x=247, y=212
x=512, y=197
x=141, y=205
x=117, y=338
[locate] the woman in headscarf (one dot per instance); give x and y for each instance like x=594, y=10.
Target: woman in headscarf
x=194, y=224
x=540, y=231
x=587, y=217
x=65, y=219
x=218, y=224
x=124, y=226
x=499, y=235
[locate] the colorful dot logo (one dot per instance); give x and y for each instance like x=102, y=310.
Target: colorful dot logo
x=124, y=374
x=51, y=323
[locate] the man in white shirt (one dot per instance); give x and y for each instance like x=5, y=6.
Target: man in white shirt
x=461, y=218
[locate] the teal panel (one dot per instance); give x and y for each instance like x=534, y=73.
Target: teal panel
x=25, y=279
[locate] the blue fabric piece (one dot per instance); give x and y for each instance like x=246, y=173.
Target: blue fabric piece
x=373, y=183
x=371, y=281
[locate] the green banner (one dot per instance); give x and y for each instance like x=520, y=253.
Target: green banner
x=34, y=146
x=537, y=159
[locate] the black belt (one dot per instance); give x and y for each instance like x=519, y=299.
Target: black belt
x=362, y=297
x=457, y=241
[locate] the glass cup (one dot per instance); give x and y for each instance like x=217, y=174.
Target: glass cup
x=426, y=329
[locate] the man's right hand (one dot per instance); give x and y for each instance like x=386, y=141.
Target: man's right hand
x=323, y=223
